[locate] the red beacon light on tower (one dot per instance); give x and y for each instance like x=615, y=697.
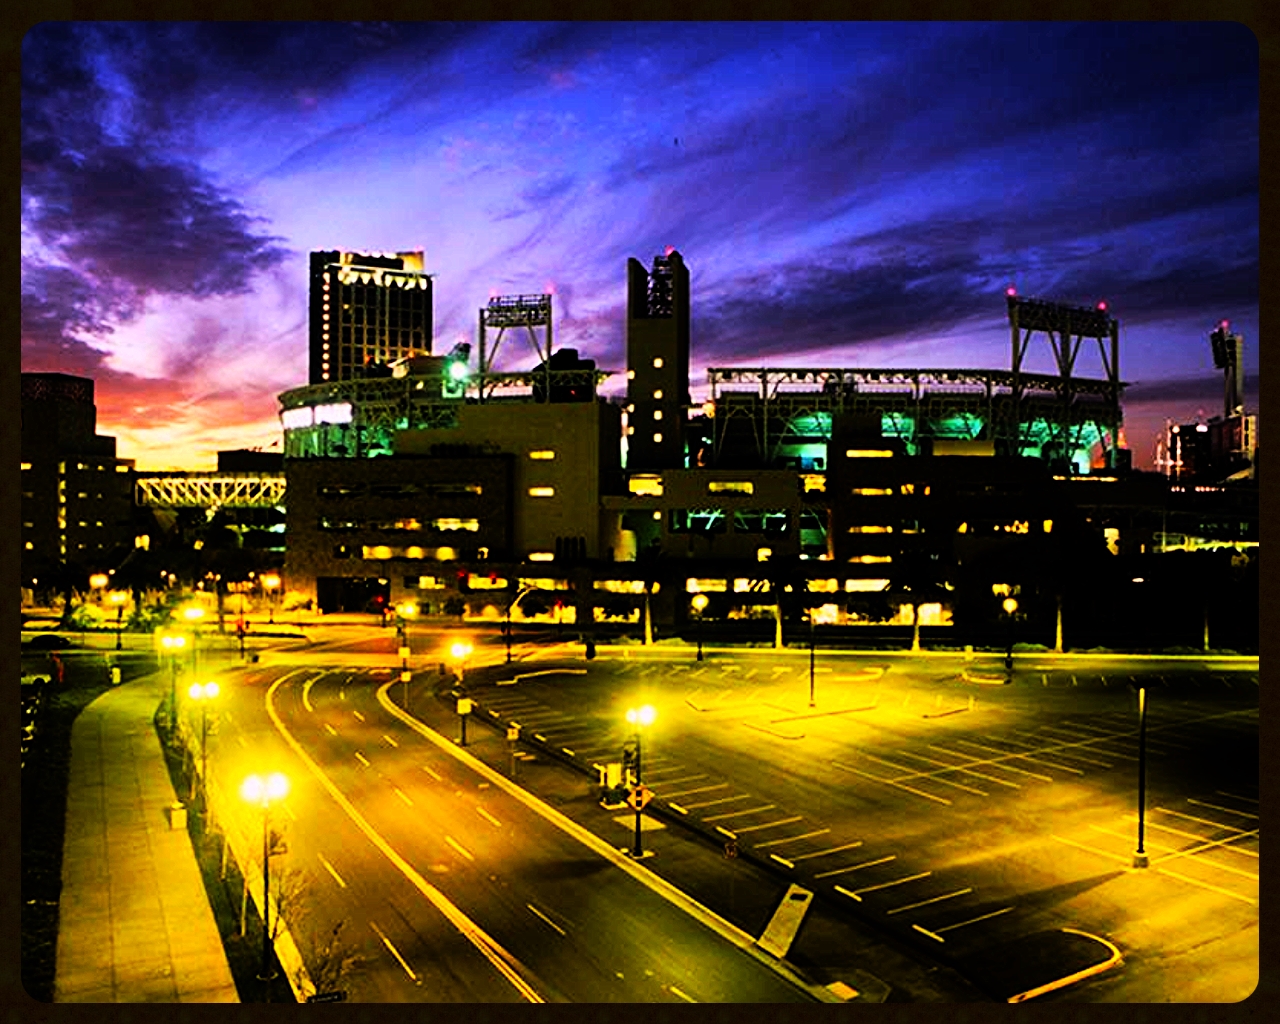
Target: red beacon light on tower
x=1011, y=291
x=1102, y=306
x=669, y=250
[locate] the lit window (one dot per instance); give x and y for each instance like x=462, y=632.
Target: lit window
x=813, y=482
x=544, y=453
x=762, y=554
x=657, y=362
x=645, y=485
x=873, y=490
x=823, y=586
x=871, y=529
x=731, y=486
x=658, y=394
x=962, y=528
x=26, y=465
x=851, y=586
x=1048, y=525
x=446, y=554
x=471, y=525
x=631, y=408
x=542, y=492
x=631, y=375
x=696, y=586
x=29, y=545
x=376, y=551
x=869, y=559
x=908, y=488
x=414, y=552
x=657, y=414
x=657, y=439
x=541, y=556
x=867, y=453
x=657, y=515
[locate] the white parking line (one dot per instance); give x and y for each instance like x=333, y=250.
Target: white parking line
x=973, y=920
x=700, y=789
x=734, y=814
x=770, y=824
x=823, y=853
x=687, y=778
x=909, y=789
x=402, y=796
x=489, y=817
x=1206, y=885
x=1092, y=849
x=431, y=772
x=925, y=903
x=1219, y=807
x=856, y=867
x=676, y=991
x=1233, y=796
x=358, y=715
x=792, y=839
x=362, y=759
x=896, y=881
x=720, y=800
x=544, y=918
x=331, y=729
x=390, y=740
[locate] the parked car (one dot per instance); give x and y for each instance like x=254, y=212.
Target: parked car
x=48, y=642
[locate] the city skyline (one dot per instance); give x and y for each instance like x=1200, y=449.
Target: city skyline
x=845, y=195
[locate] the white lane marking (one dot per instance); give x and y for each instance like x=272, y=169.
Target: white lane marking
x=925, y=931
x=852, y=895
x=719, y=800
x=488, y=817
x=925, y=903
x=400, y=794
x=501, y=959
x=1219, y=807
x=538, y=913
x=1089, y=849
x=1206, y=885
x=857, y=867
x=332, y=870
x=459, y=847
x=1234, y=796
x=699, y=789
x=686, y=998
x=362, y=759
x=331, y=729
x=684, y=779
x=432, y=773
x=306, y=690
x=394, y=952
x=390, y=740
x=891, y=782
x=358, y=715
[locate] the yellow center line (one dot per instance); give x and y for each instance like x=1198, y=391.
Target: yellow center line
x=306, y=689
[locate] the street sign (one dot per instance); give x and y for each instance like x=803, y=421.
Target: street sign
x=405, y=676
x=464, y=705
x=513, y=732
x=640, y=797
x=328, y=997
x=731, y=849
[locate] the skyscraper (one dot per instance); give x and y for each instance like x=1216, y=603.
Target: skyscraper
x=657, y=362
x=366, y=310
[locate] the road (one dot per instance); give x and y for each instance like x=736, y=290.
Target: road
x=451, y=888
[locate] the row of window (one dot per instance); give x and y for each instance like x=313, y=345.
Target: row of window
x=400, y=490
x=443, y=524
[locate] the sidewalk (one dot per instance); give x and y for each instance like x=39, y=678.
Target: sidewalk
x=135, y=924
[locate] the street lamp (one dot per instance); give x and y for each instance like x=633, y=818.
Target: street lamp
x=699, y=604
x=118, y=598
x=173, y=643
x=404, y=610
x=1140, y=856
x=460, y=651
x=811, y=700
x=261, y=791
x=1010, y=606
x=203, y=693
x=271, y=581
x=193, y=614
x=639, y=717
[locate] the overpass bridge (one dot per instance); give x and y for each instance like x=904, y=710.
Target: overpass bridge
x=210, y=491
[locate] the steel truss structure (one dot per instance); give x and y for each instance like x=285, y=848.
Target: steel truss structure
x=503, y=311
x=210, y=490
x=380, y=406
x=784, y=405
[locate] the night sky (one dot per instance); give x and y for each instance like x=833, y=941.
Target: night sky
x=845, y=195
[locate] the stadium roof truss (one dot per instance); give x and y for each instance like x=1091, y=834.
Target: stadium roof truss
x=210, y=490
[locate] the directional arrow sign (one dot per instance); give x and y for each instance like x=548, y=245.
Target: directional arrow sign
x=639, y=797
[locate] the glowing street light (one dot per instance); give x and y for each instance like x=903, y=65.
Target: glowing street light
x=1010, y=606
x=640, y=718
x=193, y=613
x=699, y=605
x=261, y=791
x=271, y=581
x=173, y=643
x=202, y=693
x=1140, y=855
x=405, y=610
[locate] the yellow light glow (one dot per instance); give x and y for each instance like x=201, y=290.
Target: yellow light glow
x=99, y=580
x=407, y=609
x=460, y=650
x=542, y=556
x=731, y=487
x=544, y=453
x=763, y=554
x=542, y=492
x=867, y=453
x=699, y=602
x=193, y=613
x=118, y=596
x=270, y=581
x=642, y=716
x=644, y=484
x=657, y=362
x=1010, y=605
x=258, y=790
x=1048, y=526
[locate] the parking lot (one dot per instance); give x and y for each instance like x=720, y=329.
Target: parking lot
x=961, y=812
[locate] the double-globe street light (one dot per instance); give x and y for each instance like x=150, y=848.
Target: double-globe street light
x=640, y=718
x=1010, y=606
x=460, y=651
x=202, y=693
x=699, y=603
x=262, y=791
x=118, y=598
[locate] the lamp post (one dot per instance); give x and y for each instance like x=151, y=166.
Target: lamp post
x=514, y=601
x=193, y=614
x=699, y=605
x=405, y=610
x=639, y=717
x=261, y=791
x=1140, y=855
x=173, y=643
x=203, y=693
x=118, y=598
x=1010, y=606
x=811, y=700
x=270, y=581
